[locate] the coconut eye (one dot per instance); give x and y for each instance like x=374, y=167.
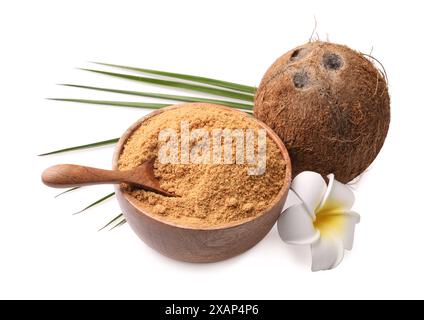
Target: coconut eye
x=300, y=79
x=332, y=61
x=296, y=55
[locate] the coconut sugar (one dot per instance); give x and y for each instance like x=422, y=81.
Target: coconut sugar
x=209, y=194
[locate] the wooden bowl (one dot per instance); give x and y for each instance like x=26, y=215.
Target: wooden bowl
x=206, y=244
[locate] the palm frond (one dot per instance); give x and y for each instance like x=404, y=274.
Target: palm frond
x=120, y=223
x=115, y=222
x=130, y=104
x=179, y=85
x=164, y=96
x=188, y=77
x=66, y=191
x=110, y=195
x=84, y=146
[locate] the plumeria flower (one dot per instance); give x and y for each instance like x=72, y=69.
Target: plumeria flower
x=323, y=219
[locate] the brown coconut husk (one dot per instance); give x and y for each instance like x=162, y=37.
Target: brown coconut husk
x=329, y=104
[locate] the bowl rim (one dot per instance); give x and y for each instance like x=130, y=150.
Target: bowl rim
x=281, y=194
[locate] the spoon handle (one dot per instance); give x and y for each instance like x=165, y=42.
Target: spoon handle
x=69, y=175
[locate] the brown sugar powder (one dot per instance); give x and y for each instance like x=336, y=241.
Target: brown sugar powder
x=209, y=194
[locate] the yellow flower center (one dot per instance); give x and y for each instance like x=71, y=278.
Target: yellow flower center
x=329, y=220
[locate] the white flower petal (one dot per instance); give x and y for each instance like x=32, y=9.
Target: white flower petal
x=338, y=197
x=327, y=253
x=350, y=220
x=295, y=226
x=310, y=187
x=291, y=200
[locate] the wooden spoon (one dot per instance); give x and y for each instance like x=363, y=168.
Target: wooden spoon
x=69, y=175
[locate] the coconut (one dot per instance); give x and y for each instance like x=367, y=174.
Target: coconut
x=330, y=106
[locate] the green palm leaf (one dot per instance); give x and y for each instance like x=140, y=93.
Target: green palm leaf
x=130, y=104
x=116, y=222
x=180, y=85
x=120, y=223
x=66, y=191
x=110, y=195
x=84, y=146
x=209, y=81
x=167, y=96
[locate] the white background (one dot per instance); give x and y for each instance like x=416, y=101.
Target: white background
x=45, y=252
